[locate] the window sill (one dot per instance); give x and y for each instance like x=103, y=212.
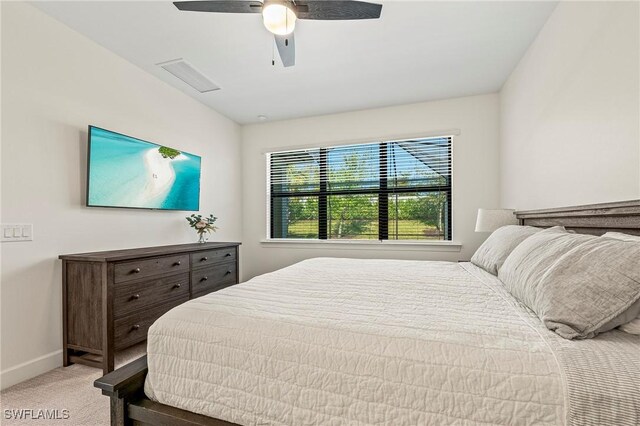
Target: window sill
x=451, y=246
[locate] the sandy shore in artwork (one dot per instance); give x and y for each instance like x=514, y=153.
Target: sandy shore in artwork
x=160, y=176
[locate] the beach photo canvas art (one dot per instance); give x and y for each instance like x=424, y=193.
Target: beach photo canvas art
x=129, y=172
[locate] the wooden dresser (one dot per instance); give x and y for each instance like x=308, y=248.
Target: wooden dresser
x=111, y=298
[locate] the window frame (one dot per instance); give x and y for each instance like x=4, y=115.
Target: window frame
x=383, y=192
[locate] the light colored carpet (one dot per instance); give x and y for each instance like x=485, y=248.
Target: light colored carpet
x=65, y=388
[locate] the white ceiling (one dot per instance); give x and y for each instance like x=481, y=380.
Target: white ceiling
x=417, y=51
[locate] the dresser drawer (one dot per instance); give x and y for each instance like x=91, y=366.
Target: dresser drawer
x=202, y=259
x=133, y=328
x=132, y=296
x=213, y=278
x=205, y=291
x=127, y=271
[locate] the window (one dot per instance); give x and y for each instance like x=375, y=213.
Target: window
x=399, y=190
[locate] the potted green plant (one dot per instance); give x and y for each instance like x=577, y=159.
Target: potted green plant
x=202, y=226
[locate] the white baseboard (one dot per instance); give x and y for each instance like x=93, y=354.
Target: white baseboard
x=29, y=369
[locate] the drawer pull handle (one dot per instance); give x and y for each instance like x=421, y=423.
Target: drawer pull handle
x=135, y=327
x=228, y=272
x=136, y=271
x=135, y=296
x=178, y=263
x=177, y=285
x=204, y=278
x=227, y=255
x=204, y=259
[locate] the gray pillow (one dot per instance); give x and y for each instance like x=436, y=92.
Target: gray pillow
x=493, y=252
x=633, y=326
x=523, y=270
x=591, y=289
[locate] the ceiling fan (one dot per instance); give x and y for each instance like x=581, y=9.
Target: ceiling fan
x=279, y=16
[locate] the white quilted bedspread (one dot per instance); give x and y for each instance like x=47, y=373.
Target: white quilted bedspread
x=344, y=341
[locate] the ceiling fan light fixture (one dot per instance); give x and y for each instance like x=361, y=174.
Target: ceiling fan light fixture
x=279, y=19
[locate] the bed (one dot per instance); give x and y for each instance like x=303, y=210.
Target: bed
x=344, y=341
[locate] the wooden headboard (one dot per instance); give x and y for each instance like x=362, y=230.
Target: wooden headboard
x=595, y=219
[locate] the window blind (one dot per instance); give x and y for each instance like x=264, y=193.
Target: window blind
x=383, y=190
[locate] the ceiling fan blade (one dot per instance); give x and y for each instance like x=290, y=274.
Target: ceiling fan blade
x=287, y=49
x=337, y=9
x=221, y=6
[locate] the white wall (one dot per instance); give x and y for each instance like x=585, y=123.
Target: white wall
x=570, y=123
x=475, y=174
x=55, y=82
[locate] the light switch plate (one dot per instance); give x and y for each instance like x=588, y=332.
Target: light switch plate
x=17, y=232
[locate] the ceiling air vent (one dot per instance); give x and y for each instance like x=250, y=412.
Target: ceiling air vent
x=187, y=73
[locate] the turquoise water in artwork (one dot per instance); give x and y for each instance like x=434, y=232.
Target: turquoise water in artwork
x=129, y=172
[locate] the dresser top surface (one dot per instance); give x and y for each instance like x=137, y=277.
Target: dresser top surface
x=135, y=253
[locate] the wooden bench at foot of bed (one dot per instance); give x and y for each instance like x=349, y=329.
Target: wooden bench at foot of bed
x=130, y=406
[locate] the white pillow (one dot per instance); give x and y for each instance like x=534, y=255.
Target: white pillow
x=621, y=236
x=632, y=327
x=494, y=251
